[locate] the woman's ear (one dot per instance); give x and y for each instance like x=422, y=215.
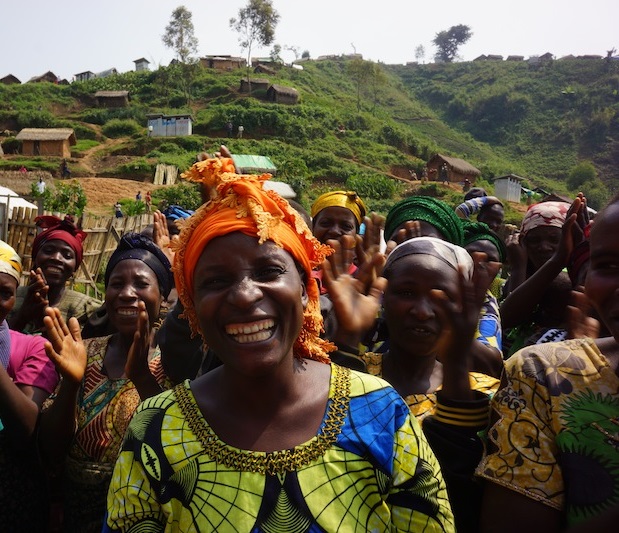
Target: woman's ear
x=304, y=296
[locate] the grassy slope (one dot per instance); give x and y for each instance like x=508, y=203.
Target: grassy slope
x=502, y=117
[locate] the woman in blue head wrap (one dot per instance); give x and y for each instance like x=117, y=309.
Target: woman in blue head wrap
x=104, y=378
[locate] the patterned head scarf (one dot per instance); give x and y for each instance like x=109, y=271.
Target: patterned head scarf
x=240, y=203
x=137, y=246
x=544, y=214
x=348, y=199
x=10, y=262
x=63, y=230
x=427, y=209
x=478, y=231
x=452, y=255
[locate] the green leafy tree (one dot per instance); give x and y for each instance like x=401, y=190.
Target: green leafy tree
x=368, y=76
x=583, y=173
x=447, y=42
x=420, y=53
x=179, y=34
x=305, y=54
x=255, y=25
x=67, y=197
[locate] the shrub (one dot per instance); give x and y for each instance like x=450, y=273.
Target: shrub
x=374, y=186
x=581, y=174
x=187, y=195
x=121, y=128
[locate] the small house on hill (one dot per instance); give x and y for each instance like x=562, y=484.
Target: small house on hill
x=544, y=58
x=515, y=58
x=10, y=80
x=224, y=62
x=256, y=84
x=494, y=57
x=263, y=69
x=282, y=95
x=107, y=73
x=47, y=141
x=49, y=76
x=85, y=76
x=111, y=99
x=457, y=169
x=508, y=187
x=160, y=125
x=141, y=64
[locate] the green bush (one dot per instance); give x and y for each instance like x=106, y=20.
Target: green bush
x=581, y=174
x=187, y=195
x=121, y=128
x=374, y=186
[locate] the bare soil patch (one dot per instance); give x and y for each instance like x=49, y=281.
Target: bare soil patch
x=101, y=193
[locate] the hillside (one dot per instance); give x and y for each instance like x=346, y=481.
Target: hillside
x=355, y=127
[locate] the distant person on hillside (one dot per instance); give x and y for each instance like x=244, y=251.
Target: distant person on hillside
x=41, y=186
x=64, y=169
x=138, y=196
x=444, y=173
x=240, y=131
x=229, y=128
x=23, y=169
x=424, y=175
x=118, y=210
x=148, y=201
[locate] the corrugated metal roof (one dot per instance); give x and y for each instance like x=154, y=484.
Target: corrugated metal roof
x=249, y=164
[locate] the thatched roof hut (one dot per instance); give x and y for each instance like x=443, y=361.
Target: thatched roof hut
x=457, y=169
x=224, y=62
x=10, y=80
x=112, y=98
x=256, y=84
x=49, y=76
x=47, y=141
x=263, y=69
x=282, y=95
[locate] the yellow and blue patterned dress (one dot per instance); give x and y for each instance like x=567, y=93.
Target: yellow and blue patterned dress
x=556, y=439
x=369, y=468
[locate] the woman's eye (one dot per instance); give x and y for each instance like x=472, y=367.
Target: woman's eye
x=270, y=272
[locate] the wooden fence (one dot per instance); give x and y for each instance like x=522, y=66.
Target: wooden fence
x=104, y=233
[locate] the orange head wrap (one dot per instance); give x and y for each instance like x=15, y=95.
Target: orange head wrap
x=239, y=203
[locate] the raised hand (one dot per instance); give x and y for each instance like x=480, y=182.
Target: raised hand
x=459, y=317
x=137, y=357
x=136, y=367
x=580, y=322
x=161, y=234
x=65, y=346
x=356, y=300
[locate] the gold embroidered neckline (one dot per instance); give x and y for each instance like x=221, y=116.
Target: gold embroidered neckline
x=271, y=462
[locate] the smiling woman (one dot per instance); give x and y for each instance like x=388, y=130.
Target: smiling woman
x=104, y=379
x=276, y=435
x=56, y=255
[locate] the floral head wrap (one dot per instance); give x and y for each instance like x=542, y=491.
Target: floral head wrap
x=240, y=203
x=544, y=214
x=63, y=230
x=452, y=255
x=10, y=262
x=429, y=210
x=347, y=199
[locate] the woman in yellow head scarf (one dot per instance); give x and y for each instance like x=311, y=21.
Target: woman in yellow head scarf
x=337, y=213
x=276, y=435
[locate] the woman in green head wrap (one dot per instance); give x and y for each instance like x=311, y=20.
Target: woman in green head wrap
x=436, y=219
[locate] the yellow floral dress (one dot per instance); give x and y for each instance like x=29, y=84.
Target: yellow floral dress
x=369, y=468
x=556, y=439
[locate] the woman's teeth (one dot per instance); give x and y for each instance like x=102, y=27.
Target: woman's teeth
x=251, y=332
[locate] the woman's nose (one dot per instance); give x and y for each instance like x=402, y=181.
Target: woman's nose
x=245, y=293
x=422, y=309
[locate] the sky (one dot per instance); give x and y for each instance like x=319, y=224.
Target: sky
x=73, y=36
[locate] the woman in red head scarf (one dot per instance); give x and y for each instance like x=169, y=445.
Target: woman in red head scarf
x=57, y=253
